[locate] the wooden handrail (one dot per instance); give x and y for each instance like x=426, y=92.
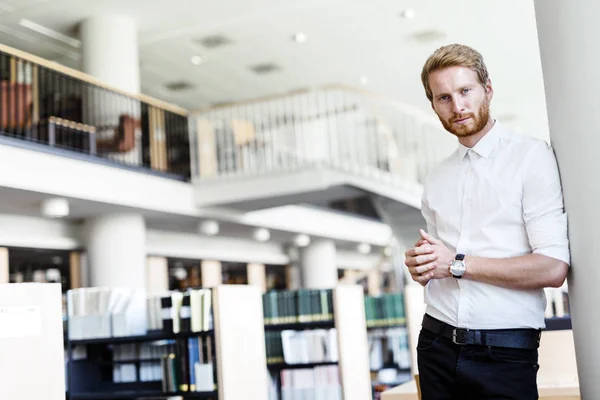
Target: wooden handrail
x=92, y=80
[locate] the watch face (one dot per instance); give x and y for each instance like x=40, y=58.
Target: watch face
x=457, y=268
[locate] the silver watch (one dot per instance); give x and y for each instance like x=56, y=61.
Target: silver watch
x=458, y=266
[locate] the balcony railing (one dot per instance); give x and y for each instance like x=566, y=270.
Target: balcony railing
x=44, y=103
x=336, y=127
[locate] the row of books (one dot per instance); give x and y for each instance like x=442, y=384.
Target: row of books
x=385, y=310
x=96, y=312
x=144, y=354
x=189, y=367
x=318, y=383
x=177, y=312
x=180, y=365
x=303, y=305
x=302, y=347
x=389, y=347
x=115, y=312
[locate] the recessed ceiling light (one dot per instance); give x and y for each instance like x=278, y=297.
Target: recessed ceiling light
x=364, y=80
x=198, y=59
x=300, y=37
x=261, y=234
x=364, y=248
x=55, y=208
x=209, y=228
x=302, y=240
x=409, y=13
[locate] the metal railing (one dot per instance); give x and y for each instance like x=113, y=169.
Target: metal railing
x=334, y=126
x=48, y=104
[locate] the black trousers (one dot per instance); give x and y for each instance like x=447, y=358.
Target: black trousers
x=449, y=371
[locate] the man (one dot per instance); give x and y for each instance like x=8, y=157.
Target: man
x=496, y=236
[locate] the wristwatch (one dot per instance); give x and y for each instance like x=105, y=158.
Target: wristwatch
x=458, y=266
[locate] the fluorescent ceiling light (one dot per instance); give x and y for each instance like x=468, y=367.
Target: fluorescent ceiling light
x=50, y=33
x=17, y=34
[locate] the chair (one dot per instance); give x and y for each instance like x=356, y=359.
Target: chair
x=123, y=139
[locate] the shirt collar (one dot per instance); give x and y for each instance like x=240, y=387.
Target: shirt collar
x=486, y=144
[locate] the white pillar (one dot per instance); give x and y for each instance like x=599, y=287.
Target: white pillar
x=157, y=275
x=319, y=265
x=116, y=248
x=568, y=36
x=257, y=276
x=212, y=275
x=110, y=51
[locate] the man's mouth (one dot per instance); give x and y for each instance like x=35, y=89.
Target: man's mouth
x=462, y=120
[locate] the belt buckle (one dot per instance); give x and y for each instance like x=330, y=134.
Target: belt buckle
x=456, y=338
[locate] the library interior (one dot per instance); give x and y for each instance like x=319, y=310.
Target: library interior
x=213, y=200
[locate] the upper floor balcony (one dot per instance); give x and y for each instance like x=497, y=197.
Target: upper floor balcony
x=48, y=107
x=314, y=146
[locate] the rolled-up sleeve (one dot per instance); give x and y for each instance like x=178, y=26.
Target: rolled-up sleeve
x=428, y=215
x=543, y=207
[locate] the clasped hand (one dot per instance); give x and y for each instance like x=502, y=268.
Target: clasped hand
x=429, y=259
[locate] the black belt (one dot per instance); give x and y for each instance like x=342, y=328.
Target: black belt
x=513, y=338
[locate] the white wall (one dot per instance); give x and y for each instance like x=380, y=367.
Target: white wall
x=62, y=176
x=22, y=231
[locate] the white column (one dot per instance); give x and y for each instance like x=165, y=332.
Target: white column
x=257, y=276
x=568, y=37
x=319, y=265
x=110, y=51
x=116, y=249
x=212, y=275
x=157, y=275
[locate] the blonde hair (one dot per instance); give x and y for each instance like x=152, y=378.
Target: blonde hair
x=453, y=55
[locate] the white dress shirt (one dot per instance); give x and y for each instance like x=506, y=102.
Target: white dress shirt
x=502, y=198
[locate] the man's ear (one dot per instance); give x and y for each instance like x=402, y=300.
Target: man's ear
x=489, y=90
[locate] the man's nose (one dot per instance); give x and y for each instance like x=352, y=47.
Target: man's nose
x=457, y=106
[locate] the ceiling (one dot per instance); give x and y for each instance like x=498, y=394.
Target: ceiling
x=346, y=40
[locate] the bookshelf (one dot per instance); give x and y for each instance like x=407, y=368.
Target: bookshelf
x=32, y=341
x=389, y=353
x=158, y=364
x=317, y=344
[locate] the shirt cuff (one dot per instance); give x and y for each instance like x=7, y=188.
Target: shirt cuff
x=560, y=253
